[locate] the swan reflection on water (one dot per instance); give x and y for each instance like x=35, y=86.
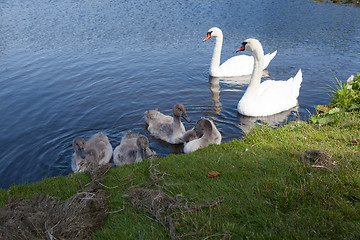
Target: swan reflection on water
x=215, y=94
x=230, y=81
x=215, y=88
x=276, y=120
x=240, y=80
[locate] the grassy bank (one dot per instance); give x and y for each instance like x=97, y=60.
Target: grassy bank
x=269, y=187
x=266, y=191
x=342, y=2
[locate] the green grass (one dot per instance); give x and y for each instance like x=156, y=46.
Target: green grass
x=264, y=190
x=346, y=95
x=267, y=191
x=62, y=187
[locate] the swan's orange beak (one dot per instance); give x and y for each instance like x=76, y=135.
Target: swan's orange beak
x=242, y=48
x=207, y=37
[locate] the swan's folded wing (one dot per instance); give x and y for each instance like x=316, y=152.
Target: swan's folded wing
x=238, y=65
x=268, y=57
x=153, y=115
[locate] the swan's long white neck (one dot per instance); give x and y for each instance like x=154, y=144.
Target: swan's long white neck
x=215, y=61
x=257, y=72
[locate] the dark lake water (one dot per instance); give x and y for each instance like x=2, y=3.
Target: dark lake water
x=73, y=68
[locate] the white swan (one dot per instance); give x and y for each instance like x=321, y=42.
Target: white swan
x=132, y=148
x=167, y=128
x=269, y=97
x=235, y=66
x=210, y=135
x=97, y=150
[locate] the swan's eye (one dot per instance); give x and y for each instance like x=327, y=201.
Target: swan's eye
x=244, y=43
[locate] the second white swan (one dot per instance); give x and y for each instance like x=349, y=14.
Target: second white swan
x=235, y=66
x=269, y=97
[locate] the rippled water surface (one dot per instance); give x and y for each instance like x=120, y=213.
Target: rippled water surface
x=73, y=68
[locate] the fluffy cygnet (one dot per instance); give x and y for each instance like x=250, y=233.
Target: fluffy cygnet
x=97, y=150
x=210, y=135
x=167, y=128
x=132, y=148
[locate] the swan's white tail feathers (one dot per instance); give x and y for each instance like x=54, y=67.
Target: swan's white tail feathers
x=298, y=78
x=273, y=54
x=296, y=83
x=268, y=57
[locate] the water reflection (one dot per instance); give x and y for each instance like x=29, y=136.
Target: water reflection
x=276, y=120
x=236, y=82
x=230, y=81
x=215, y=94
x=239, y=80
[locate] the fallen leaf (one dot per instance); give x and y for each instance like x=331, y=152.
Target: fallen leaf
x=213, y=174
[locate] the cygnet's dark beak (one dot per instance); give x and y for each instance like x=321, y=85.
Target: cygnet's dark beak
x=82, y=153
x=143, y=155
x=186, y=117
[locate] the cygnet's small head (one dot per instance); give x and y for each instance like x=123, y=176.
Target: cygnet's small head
x=213, y=32
x=142, y=142
x=78, y=143
x=189, y=136
x=179, y=111
x=203, y=125
x=250, y=44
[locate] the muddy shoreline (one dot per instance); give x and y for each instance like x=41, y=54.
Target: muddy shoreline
x=351, y=3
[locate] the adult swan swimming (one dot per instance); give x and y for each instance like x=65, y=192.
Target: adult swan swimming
x=235, y=66
x=269, y=97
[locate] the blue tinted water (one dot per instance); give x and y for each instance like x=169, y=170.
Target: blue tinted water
x=73, y=68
